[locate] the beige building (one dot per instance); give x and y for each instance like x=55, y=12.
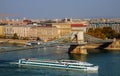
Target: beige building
x=21, y=31
x=47, y=33
x=8, y=31
x=31, y=32
x=63, y=28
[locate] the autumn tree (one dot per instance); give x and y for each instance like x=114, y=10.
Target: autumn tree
x=90, y=31
x=98, y=33
x=105, y=32
x=108, y=32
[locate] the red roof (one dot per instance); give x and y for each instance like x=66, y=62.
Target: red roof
x=27, y=21
x=78, y=25
x=48, y=24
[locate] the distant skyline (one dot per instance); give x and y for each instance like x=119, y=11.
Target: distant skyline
x=40, y=9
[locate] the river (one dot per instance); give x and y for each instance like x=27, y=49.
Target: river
x=108, y=62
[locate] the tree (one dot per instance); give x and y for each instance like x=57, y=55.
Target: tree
x=15, y=36
x=96, y=32
x=108, y=32
x=105, y=32
x=90, y=30
x=117, y=35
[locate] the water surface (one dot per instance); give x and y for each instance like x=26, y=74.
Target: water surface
x=107, y=61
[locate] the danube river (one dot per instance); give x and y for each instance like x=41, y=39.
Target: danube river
x=108, y=62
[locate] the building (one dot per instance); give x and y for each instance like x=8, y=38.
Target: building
x=63, y=28
x=8, y=31
x=22, y=31
x=100, y=23
x=1, y=31
x=47, y=33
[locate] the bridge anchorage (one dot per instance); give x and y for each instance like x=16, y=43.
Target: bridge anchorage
x=79, y=46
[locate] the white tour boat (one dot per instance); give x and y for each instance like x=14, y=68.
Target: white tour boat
x=61, y=64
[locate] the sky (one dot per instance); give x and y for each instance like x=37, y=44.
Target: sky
x=39, y=9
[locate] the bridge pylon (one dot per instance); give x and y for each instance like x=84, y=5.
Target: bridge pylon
x=79, y=46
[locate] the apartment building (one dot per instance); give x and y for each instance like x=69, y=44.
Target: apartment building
x=31, y=32
x=63, y=28
x=8, y=31
x=21, y=31
x=114, y=26
x=47, y=33
x=101, y=22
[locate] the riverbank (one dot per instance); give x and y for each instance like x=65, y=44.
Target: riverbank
x=92, y=46
x=21, y=43
x=102, y=46
x=13, y=41
x=17, y=48
x=8, y=45
x=7, y=49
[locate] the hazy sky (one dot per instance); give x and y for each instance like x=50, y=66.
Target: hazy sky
x=61, y=8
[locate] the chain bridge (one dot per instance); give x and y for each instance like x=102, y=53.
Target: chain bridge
x=78, y=40
x=88, y=39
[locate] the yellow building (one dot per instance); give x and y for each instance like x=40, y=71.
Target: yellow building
x=1, y=31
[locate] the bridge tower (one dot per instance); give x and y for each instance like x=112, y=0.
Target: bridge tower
x=79, y=45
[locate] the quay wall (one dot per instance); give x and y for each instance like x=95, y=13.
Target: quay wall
x=13, y=41
x=92, y=46
x=115, y=45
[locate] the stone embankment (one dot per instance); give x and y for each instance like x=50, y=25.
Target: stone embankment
x=9, y=49
x=13, y=41
x=92, y=46
x=115, y=45
x=18, y=45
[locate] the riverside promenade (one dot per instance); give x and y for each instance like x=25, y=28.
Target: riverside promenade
x=16, y=45
x=13, y=41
